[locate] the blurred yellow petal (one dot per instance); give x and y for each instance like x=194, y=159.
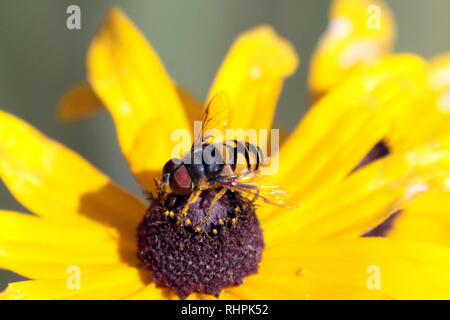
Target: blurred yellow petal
x=440, y=72
x=129, y=78
x=78, y=103
x=252, y=75
x=421, y=123
x=192, y=105
x=359, y=32
x=54, y=182
x=342, y=127
x=345, y=269
x=114, y=283
x=425, y=219
x=367, y=197
x=151, y=292
x=43, y=249
x=431, y=117
x=146, y=151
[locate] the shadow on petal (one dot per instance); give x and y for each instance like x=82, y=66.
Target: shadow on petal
x=123, y=224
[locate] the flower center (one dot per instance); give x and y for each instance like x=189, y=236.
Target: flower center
x=204, y=251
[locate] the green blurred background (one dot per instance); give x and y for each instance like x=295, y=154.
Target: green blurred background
x=40, y=58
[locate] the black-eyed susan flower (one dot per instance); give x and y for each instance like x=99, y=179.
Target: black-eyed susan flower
x=85, y=221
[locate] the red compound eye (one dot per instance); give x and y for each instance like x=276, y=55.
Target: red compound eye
x=171, y=165
x=180, y=182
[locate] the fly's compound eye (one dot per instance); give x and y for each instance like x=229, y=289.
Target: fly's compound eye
x=170, y=167
x=180, y=182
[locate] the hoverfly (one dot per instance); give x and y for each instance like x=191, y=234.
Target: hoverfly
x=191, y=174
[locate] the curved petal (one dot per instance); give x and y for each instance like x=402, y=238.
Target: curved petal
x=116, y=283
x=367, y=197
x=342, y=127
x=359, y=32
x=431, y=117
x=81, y=101
x=439, y=80
x=345, y=269
x=440, y=72
x=78, y=103
x=55, y=182
x=129, y=78
x=192, y=105
x=40, y=248
x=252, y=75
x=426, y=219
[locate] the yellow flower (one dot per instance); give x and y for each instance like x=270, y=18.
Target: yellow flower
x=83, y=220
x=359, y=32
x=426, y=219
x=426, y=119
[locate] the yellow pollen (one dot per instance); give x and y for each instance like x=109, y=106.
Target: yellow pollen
x=188, y=222
x=171, y=214
x=198, y=229
x=214, y=231
x=234, y=220
x=166, y=213
x=220, y=221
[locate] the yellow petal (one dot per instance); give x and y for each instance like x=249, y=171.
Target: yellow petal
x=367, y=197
x=342, y=127
x=55, y=182
x=116, y=283
x=129, y=78
x=78, y=103
x=425, y=219
x=151, y=292
x=149, y=153
x=192, y=105
x=359, y=32
x=344, y=269
x=43, y=249
x=252, y=75
x=430, y=118
x=440, y=72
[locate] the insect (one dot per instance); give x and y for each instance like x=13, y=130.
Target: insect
x=222, y=164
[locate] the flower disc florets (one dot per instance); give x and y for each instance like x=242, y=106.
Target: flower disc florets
x=201, y=251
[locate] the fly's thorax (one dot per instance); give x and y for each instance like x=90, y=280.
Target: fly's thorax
x=203, y=162
x=194, y=165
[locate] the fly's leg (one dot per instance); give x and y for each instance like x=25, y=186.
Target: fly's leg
x=192, y=198
x=214, y=200
x=255, y=196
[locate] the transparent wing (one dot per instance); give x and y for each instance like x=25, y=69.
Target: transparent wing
x=216, y=116
x=254, y=184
